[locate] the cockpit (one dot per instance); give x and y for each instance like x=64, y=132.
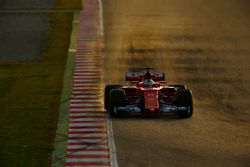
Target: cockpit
x=148, y=83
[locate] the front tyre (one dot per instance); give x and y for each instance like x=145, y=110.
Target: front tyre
x=108, y=89
x=117, y=99
x=184, y=99
x=182, y=87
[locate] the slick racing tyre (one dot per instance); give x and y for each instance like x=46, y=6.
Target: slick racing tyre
x=117, y=99
x=108, y=89
x=184, y=99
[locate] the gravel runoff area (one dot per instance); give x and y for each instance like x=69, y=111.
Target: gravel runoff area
x=23, y=35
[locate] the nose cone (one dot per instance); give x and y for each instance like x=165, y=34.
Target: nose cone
x=151, y=100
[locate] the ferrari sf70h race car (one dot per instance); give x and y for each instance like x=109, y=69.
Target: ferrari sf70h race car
x=148, y=95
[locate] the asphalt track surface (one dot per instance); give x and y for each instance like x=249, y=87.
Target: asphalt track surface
x=26, y=4
x=23, y=29
x=203, y=44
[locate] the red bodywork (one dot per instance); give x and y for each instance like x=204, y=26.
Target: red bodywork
x=149, y=99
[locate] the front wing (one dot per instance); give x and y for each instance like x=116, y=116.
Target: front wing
x=166, y=110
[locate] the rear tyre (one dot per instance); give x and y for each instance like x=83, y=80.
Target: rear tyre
x=108, y=89
x=117, y=99
x=184, y=99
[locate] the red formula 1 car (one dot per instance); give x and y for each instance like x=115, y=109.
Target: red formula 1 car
x=148, y=95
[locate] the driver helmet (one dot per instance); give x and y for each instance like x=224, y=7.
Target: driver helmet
x=148, y=83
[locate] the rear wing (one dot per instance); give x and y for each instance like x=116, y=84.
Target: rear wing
x=138, y=76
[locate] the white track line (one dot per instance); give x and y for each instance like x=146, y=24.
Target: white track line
x=110, y=129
